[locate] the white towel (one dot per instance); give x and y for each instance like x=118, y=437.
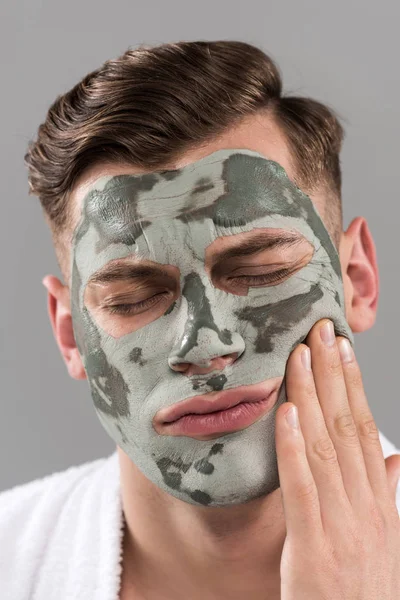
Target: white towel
x=61, y=535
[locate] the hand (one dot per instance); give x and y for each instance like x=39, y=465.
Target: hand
x=342, y=525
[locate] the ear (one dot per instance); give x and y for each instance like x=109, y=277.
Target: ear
x=59, y=309
x=360, y=275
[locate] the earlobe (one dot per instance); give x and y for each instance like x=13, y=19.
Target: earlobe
x=59, y=309
x=360, y=275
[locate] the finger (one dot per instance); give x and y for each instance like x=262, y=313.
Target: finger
x=299, y=492
x=367, y=430
x=320, y=451
x=332, y=396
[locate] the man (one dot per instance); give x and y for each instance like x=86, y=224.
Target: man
x=196, y=217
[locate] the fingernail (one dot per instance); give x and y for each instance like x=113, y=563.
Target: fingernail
x=328, y=334
x=292, y=417
x=346, y=351
x=306, y=359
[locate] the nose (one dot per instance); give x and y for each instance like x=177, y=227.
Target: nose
x=203, y=345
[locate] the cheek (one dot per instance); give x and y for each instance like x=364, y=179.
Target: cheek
x=141, y=356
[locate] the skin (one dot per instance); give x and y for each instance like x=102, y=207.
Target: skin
x=205, y=306
x=236, y=551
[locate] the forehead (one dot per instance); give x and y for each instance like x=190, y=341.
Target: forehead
x=229, y=186
x=237, y=189
x=157, y=215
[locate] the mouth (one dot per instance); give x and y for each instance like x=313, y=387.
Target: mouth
x=217, y=413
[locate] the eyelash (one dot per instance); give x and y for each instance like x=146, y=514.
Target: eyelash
x=128, y=309
x=267, y=278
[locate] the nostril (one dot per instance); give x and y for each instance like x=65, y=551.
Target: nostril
x=202, y=367
x=230, y=358
x=178, y=366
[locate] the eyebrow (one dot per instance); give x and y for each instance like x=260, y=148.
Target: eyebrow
x=256, y=243
x=119, y=271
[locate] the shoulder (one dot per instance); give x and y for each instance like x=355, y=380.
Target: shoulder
x=34, y=515
x=18, y=503
x=388, y=449
x=387, y=446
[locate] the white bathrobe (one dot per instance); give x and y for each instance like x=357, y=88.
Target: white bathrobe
x=61, y=535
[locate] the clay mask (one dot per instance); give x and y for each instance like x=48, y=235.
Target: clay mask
x=172, y=218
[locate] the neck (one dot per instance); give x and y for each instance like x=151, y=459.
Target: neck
x=196, y=552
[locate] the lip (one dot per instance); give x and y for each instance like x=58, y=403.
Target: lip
x=218, y=412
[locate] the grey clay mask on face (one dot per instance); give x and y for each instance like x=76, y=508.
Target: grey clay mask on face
x=171, y=218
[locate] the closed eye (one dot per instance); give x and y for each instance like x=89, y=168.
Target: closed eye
x=136, y=307
x=267, y=278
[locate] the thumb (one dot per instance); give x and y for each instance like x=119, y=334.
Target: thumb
x=392, y=464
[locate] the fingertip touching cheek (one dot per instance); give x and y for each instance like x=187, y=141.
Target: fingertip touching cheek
x=225, y=256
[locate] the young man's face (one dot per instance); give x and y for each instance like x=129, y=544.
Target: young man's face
x=162, y=313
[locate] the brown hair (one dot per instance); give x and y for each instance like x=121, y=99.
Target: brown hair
x=151, y=104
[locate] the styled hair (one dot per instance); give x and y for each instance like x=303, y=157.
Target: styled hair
x=151, y=104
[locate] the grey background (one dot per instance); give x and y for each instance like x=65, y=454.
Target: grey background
x=344, y=53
